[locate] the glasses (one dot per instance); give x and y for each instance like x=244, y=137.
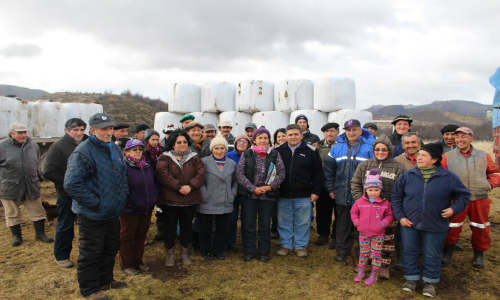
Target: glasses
x=136, y=149
x=242, y=142
x=181, y=142
x=380, y=150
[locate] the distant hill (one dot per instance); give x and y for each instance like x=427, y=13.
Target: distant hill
x=21, y=92
x=462, y=107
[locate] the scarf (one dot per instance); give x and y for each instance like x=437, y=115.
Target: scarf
x=220, y=162
x=182, y=154
x=154, y=152
x=411, y=158
x=261, y=151
x=140, y=163
x=108, y=145
x=197, y=144
x=427, y=172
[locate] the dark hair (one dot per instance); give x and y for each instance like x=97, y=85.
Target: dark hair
x=275, y=135
x=172, y=138
x=292, y=127
x=410, y=133
x=121, y=142
x=75, y=122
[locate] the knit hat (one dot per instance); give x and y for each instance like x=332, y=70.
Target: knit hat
x=150, y=132
x=435, y=150
x=132, y=143
x=260, y=130
x=329, y=126
x=242, y=137
x=373, y=180
x=449, y=128
x=218, y=140
x=186, y=117
x=302, y=117
x=169, y=128
x=402, y=118
x=192, y=125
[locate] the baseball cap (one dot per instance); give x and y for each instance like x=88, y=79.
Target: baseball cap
x=352, y=123
x=101, y=120
x=465, y=130
x=251, y=125
x=132, y=143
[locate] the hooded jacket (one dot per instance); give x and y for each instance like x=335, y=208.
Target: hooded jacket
x=371, y=219
x=396, y=143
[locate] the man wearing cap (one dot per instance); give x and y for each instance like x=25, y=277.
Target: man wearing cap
x=325, y=204
x=308, y=137
x=225, y=128
x=200, y=144
x=372, y=127
x=54, y=170
x=249, y=129
x=411, y=142
x=96, y=180
x=401, y=125
x=479, y=173
x=448, y=139
x=139, y=131
x=354, y=146
x=185, y=120
x=20, y=183
x=209, y=131
x=120, y=131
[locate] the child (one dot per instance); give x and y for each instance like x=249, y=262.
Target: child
x=371, y=215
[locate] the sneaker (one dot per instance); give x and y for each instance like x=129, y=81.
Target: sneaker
x=97, y=296
x=65, y=263
x=302, y=253
x=144, y=268
x=114, y=285
x=283, y=252
x=130, y=271
x=429, y=289
x=409, y=286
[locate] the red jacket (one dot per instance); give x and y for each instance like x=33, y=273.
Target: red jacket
x=371, y=219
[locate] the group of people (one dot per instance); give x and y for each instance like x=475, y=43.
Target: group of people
x=397, y=197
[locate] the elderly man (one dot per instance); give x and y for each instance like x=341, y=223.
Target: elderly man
x=249, y=129
x=354, y=146
x=185, y=120
x=225, y=128
x=20, y=183
x=302, y=186
x=401, y=125
x=479, y=173
x=139, y=131
x=120, y=131
x=448, y=140
x=411, y=143
x=372, y=127
x=200, y=145
x=325, y=205
x=209, y=131
x=96, y=180
x=54, y=170
x=303, y=122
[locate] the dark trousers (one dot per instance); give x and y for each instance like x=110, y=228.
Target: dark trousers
x=233, y=222
x=99, y=244
x=274, y=219
x=216, y=245
x=160, y=223
x=177, y=214
x=251, y=211
x=65, y=231
x=345, y=230
x=325, y=207
x=132, y=237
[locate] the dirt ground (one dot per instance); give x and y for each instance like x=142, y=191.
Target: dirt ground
x=30, y=272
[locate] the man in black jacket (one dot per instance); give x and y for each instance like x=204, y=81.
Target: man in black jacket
x=302, y=186
x=54, y=169
x=308, y=137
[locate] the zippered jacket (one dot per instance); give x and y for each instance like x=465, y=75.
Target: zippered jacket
x=143, y=191
x=371, y=219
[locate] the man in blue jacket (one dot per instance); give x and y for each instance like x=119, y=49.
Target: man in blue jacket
x=354, y=146
x=96, y=180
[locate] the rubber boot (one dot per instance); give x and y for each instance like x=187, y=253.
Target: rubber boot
x=372, y=278
x=17, y=237
x=361, y=274
x=186, y=255
x=40, y=232
x=447, y=255
x=477, y=260
x=170, y=257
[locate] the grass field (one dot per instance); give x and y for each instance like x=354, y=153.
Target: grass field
x=30, y=272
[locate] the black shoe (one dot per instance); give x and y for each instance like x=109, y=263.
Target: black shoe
x=40, y=232
x=321, y=240
x=114, y=285
x=208, y=256
x=158, y=236
x=459, y=247
x=264, y=258
x=220, y=256
x=17, y=237
x=447, y=255
x=248, y=257
x=333, y=243
x=275, y=235
x=477, y=260
x=341, y=257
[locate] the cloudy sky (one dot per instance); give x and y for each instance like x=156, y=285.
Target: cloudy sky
x=396, y=51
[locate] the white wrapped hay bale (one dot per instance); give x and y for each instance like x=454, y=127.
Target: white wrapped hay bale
x=272, y=120
x=218, y=96
x=255, y=95
x=331, y=94
x=206, y=118
x=46, y=119
x=343, y=115
x=184, y=98
x=316, y=120
x=81, y=110
x=162, y=119
x=237, y=119
x=293, y=94
x=11, y=111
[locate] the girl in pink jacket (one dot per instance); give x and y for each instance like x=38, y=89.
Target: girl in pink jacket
x=371, y=215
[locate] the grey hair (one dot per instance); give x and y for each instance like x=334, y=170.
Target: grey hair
x=293, y=127
x=412, y=134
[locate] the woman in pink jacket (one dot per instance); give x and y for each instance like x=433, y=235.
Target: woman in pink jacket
x=371, y=214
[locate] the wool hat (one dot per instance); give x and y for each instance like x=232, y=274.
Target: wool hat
x=351, y=123
x=101, y=120
x=186, y=117
x=370, y=125
x=373, y=180
x=169, y=128
x=193, y=125
x=402, y=118
x=141, y=127
x=218, y=140
x=449, y=128
x=132, y=143
x=329, y=126
x=150, y=132
x=242, y=137
x=261, y=130
x=434, y=149
x=465, y=130
x=302, y=117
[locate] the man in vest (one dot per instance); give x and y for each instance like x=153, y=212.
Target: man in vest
x=479, y=174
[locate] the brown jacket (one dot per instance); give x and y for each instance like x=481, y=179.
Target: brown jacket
x=172, y=177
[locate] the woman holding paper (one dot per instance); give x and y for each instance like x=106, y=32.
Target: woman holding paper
x=259, y=173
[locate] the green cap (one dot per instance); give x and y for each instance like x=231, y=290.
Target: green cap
x=187, y=117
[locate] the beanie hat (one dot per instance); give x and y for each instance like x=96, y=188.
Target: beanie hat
x=150, y=132
x=218, y=140
x=449, y=128
x=243, y=137
x=373, y=180
x=260, y=130
x=303, y=117
x=169, y=128
x=435, y=150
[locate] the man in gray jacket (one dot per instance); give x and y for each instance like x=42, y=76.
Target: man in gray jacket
x=20, y=184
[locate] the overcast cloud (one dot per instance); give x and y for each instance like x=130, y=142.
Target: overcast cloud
x=396, y=51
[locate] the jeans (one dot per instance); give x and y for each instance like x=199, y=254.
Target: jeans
x=218, y=244
x=431, y=243
x=233, y=222
x=65, y=231
x=251, y=210
x=294, y=222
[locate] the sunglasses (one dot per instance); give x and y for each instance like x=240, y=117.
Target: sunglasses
x=136, y=149
x=380, y=150
x=181, y=142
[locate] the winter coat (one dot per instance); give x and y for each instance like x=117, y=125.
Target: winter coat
x=172, y=177
x=56, y=161
x=389, y=170
x=422, y=203
x=230, y=139
x=96, y=179
x=396, y=143
x=304, y=171
x=220, y=187
x=19, y=170
x=205, y=148
x=142, y=188
x=234, y=155
x=341, y=163
x=323, y=148
x=309, y=138
x=371, y=219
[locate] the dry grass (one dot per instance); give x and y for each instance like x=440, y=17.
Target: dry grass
x=29, y=272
